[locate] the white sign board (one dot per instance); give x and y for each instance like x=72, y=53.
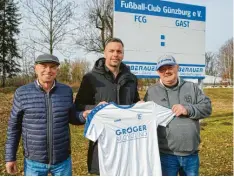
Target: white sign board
x=152, y=28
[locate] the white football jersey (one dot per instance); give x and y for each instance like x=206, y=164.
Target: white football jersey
x=127, y=137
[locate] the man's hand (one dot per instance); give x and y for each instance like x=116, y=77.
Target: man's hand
x=11, y=167
x=86, y=113
x=179, y=110
x=102, y=102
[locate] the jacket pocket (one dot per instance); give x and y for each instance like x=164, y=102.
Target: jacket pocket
x=26, y=154
x=183, y=136
x=162, y=137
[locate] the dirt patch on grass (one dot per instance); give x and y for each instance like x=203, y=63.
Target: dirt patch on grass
x=226, y=123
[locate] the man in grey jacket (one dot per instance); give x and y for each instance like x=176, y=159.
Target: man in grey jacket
x=179, y=141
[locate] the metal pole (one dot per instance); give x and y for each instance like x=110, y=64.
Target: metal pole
x=200, y=84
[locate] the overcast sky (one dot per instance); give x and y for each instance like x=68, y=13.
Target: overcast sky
x=219, y=25
x=219, y=21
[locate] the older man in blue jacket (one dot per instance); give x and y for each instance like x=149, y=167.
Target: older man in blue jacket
x=41, y=113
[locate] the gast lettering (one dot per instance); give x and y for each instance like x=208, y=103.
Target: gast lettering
x=182, y=23
x=154, y=28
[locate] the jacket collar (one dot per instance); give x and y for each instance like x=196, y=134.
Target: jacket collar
x=180, y=83
x=100, y=67
x=38, y=85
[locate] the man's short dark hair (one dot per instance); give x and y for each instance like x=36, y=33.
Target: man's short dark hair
x=114, y=39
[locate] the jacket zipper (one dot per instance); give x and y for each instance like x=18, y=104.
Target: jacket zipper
x=49, y=128
x=118, y=88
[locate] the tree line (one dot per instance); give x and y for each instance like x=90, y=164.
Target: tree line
x=29, y=27
x=220, y=64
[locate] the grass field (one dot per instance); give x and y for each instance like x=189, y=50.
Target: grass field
x=216, y=148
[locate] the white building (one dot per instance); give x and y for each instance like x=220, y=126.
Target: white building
x=209, y=80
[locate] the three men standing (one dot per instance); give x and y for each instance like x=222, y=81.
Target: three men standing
x=42, y=110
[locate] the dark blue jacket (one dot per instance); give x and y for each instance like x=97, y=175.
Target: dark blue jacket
x=43, y=120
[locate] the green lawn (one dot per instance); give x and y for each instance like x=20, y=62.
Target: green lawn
x=216, y=148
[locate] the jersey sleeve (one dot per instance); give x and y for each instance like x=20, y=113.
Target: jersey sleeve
x=163, y=115
x=93, y=128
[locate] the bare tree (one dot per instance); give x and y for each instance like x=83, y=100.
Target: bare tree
x=225, y=58
x=211, y=64
x=28, y=57
x=98, y=26
x=64, y=74
x=52, y=19
x=72, y=72
x=79, y=68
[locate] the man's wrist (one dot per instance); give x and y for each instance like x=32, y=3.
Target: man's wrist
x=81, y=116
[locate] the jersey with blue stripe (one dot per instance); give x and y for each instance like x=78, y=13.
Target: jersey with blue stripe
x=127, y=137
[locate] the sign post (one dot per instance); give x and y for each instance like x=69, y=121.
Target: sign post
x=152, y=28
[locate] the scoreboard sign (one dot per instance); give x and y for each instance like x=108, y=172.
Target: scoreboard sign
x=152, y=28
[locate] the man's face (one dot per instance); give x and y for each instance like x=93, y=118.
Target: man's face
x=114, y=54
x=46, y=72
x=168, y=74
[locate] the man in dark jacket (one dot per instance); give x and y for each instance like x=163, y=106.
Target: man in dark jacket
x=41, y=112
x=179, y=141
x=109, y=81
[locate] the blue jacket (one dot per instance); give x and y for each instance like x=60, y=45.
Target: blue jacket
x=43, y=120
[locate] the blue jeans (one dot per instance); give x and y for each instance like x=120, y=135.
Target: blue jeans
x=33, y=168
x=184, y=165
